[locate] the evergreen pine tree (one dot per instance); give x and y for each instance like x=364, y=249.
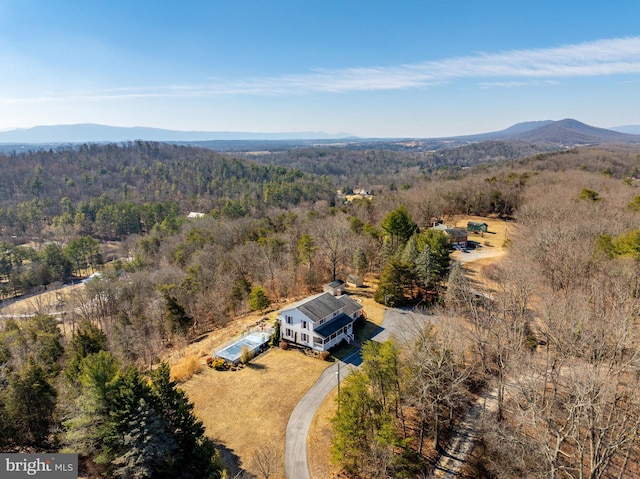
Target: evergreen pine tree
x=426, y=267
x=31, y=401
x=147, y=445
x=199, y=458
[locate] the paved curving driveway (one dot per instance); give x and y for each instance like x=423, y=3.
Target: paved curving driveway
x=402, y=324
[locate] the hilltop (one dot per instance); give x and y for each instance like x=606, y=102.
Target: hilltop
x=567, y=132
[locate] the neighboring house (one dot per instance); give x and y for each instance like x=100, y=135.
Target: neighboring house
x=477, y=227
x=335, y=288
x=355, y=280
x=195, y=214
x=320, y=322
x=457, y=236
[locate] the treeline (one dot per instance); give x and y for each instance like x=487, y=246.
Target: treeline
x=371, y=164
x=618, y=161
x=101, y=217
x=23, y=269
x=182, y=283
x=36, y=187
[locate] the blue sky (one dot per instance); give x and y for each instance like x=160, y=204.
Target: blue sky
x=403, y=68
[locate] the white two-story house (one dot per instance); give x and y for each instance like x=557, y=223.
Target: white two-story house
x=319, y=322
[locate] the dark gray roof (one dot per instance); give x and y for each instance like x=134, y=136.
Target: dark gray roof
x=350, y=306
x=456, y=233
x=335, y=284
x=332, y=326
x=322, y=305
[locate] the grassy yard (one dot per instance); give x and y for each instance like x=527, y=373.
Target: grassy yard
x=248, y=409
x=497, y=230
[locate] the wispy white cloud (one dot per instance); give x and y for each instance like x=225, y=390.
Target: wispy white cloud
x=503, y=69
x=516, y=84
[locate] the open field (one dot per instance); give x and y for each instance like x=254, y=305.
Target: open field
x=47, y=301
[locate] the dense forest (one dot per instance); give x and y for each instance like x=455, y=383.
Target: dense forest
x=367, y=164
x=552, y=331
x=111, y=191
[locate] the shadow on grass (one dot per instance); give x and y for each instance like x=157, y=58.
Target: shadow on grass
x=231, y=461
x=343, y=351
x=349, y=353
x=367, y=330
x=256, y=366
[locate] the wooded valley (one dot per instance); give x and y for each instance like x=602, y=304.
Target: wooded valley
x=550, y=330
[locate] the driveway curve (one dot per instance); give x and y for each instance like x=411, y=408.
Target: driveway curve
x=401, y=324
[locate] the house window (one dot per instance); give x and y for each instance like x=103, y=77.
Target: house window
x=305, y=338
x=289, y=319
x=288, y=332
x=304, y=325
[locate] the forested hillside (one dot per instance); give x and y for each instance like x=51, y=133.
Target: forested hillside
x=128, y=188
x=552, y=328
x=367, y=163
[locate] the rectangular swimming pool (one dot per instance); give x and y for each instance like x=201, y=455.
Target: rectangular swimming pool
x=253, y=341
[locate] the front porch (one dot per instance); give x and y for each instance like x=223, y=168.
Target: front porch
x=331, y=334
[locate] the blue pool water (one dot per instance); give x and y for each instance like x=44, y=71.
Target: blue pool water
x=233, y=351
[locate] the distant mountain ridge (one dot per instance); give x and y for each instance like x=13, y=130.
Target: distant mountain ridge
x=631, y=129
x=94, y=133
x=567, y=132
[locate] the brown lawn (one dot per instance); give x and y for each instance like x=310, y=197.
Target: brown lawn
x=248, y=409
x=45, y=301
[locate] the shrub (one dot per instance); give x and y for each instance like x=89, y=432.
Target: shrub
x=209, y=360
x=184, y=369
x=324, y=355
x=219, y=364
x=531, y=341
x=246, y=355
x=284, y=345
x=275, y=337
x=588, y=194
